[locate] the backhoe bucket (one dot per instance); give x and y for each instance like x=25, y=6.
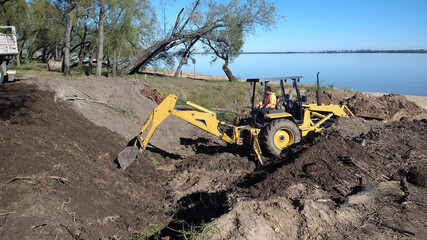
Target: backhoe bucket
x=127, y=156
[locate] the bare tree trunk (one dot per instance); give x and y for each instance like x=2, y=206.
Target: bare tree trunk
x=98, y=71
x=148, y=54
x=183, y=61
x=44, y=53
x=114, y=72
x=91, y=54
x=108, y=65
x=19, y=56
x=116, y=58
x=18, y=59
x=59, y=51
x=83, y=49
x=29, y=55
x=26, y=55
x=56, y=53
x=67, y=47
x=228, y=72
x=49, y=55
x=81, y=58
x=185, y=57
x=143, y=58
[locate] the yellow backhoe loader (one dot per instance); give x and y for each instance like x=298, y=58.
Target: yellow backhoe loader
x=269, y=130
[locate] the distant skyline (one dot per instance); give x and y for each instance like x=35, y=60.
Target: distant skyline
x=312, y=25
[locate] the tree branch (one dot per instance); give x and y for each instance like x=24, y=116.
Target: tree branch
x=190, y=16
x=177, y=22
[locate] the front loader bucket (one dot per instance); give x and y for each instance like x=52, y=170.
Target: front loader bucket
x=127, y=156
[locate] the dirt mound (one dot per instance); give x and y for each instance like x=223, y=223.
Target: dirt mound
x=391, y=107
x=323, y=184
x=58, y=177
x=326, y=97
x=151, y=93
x=375, y=154
x=119, y=105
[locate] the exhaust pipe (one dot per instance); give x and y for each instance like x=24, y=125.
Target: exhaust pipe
x=318, y=93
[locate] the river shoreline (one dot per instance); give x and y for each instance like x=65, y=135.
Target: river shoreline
x=419, y=100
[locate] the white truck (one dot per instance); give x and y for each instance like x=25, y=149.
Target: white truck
x=8, y=49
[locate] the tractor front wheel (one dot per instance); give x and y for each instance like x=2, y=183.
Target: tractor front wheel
x=279, y=135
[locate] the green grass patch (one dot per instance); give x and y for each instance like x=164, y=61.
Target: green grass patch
x=193, y=232
x=313, y=88
x=39, y=68
x=129, y=112
x=154, y=230
x=234, y=96
x=32, y=66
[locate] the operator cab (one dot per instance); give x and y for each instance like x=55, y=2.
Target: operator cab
x=293, y=107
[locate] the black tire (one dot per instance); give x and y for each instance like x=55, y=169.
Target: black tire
x=284, y=131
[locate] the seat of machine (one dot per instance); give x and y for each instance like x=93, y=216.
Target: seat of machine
x=273, y=110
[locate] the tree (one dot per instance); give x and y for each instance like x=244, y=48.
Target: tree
x=215, y=24
x=226, y=44
x=101, y=19
x=85, y=33
x=129, y=20
x=67, y=9
x=242, y=18
x=46, y=31
x=176, y=37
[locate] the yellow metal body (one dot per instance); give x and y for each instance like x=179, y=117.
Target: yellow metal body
x=321, y=113
x=206, y=119
x=278, y=115
x=283, y=138
x=313, y=117
x=203, y=118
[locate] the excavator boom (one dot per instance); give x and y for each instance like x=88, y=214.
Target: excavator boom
x=200, y=117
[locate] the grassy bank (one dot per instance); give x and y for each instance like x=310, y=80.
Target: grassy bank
x=218, y=93
x=211, y=94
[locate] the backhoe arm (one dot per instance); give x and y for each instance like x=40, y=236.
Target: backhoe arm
x=159, y=114
x=201, y=117
x=204, y=119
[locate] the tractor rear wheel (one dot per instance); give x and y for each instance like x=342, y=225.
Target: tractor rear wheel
x=279, y=135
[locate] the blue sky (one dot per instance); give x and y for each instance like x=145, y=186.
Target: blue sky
x=338, y=25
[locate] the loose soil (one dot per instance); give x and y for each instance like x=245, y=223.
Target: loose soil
x=390, y=106
x=359, y=179
x=59, y=178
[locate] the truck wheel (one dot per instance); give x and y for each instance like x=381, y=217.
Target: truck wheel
x=279, y=135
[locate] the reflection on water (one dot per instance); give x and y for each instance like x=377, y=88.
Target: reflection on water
x=403, y=73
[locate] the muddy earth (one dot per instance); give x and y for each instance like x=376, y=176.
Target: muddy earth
x=360, y=178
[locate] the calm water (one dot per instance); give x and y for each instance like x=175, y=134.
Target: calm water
x=390, y=73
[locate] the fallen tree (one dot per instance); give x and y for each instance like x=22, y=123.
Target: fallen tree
x=214, y=23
